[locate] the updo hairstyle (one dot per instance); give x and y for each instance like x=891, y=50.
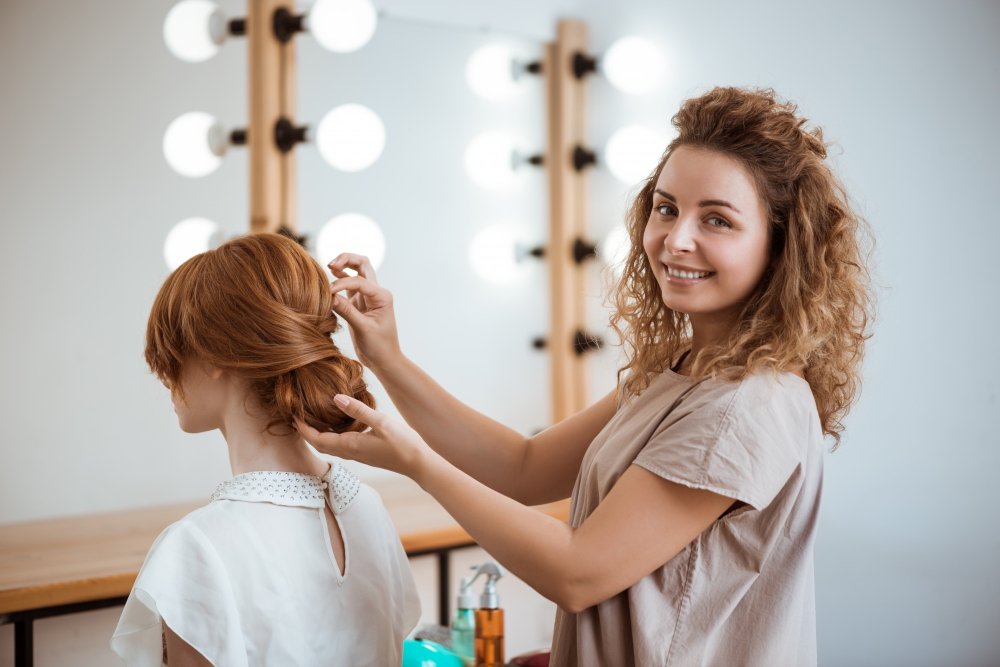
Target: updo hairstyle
x=258, y=307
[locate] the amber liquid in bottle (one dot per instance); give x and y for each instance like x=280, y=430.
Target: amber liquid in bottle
x=489, y=638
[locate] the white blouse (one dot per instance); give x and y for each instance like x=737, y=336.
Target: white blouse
x=251, y=579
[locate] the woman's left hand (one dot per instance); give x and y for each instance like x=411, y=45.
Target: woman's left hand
x=390, y=444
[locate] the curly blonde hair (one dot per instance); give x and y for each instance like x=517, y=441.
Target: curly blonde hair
x=812, y=309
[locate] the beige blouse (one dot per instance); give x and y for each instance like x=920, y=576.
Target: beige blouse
x=743, y=592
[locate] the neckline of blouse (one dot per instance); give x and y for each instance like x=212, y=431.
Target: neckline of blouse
x=338, y=486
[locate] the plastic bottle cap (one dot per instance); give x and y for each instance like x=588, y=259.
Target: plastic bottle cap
x=466, y=598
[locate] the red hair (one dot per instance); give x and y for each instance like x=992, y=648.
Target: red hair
x=258, y=307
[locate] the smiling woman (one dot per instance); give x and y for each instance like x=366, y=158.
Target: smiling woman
x=799, y=302
x=696, y=483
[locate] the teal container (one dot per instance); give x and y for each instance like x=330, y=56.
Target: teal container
x=423, y=653
x=463, y=634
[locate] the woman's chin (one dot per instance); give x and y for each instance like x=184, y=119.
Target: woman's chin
x=188, y=427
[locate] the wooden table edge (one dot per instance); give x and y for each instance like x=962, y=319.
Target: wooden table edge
x=117, y=585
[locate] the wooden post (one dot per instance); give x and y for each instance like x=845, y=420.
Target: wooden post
x=567, y=215
x=271, y=95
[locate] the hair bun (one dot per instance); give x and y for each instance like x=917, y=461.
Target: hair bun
x=307, y=393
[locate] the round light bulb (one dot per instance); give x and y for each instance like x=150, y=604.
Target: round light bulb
x=351, y=232
x=632, y=152
x=490, y=159
x=189, y=238
x=614, y=249
x=351, y=137
x=634, y=65
x=490, y=73
x=194, y=144
x=496, y=251
x=194, y=30
x=342, y=25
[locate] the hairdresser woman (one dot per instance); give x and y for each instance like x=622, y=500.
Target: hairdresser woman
x=695, y=484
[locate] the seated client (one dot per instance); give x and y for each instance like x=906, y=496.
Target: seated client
x=293, y=561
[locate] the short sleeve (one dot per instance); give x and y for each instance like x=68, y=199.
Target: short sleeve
x=740, y=440
x=184, y=583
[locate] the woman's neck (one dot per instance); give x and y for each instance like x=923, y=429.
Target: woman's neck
x=707, y=331
x=252, y=448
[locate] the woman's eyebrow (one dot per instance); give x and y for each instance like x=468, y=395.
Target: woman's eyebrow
x=717, y=202
x=703, y=203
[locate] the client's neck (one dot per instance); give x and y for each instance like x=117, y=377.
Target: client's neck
x=252, y=448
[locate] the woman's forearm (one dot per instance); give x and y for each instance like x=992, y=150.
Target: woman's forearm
x=641, y=524
x=534, y=546
x=481, y=447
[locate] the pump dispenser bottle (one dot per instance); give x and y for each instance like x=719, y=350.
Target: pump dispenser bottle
x=489, y=618
x=463, y=625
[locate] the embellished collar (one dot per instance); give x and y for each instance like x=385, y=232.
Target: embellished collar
x=293, y=489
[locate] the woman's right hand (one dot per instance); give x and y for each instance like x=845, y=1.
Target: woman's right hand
x=367, y=308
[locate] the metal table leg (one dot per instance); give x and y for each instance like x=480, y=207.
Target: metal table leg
x=24, y=643
x=444, y=587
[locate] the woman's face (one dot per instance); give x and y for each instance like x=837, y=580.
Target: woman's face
x=706, y=238
x=204, y=400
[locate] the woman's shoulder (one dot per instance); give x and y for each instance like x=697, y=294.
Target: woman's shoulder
x=769, y=384
x=761, y=396
x=188, y=530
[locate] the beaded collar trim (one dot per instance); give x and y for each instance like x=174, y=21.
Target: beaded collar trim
x=293, y=489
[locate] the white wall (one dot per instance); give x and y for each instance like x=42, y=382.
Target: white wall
x=907, y=90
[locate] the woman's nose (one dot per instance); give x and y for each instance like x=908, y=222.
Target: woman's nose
x=680, y=238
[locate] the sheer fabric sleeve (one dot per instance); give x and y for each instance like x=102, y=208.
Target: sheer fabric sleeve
x=405, y=602
x=184, y=584
x=741, y=440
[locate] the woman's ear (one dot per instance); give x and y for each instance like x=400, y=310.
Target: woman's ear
x=214, y=372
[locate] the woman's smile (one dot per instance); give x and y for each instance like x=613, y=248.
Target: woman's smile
x=680, y=275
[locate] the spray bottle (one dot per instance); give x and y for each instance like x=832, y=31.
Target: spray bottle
x=489, y=618
x=463, y=625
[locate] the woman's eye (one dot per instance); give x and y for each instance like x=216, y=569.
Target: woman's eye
x=666, y=209
x=716, y=221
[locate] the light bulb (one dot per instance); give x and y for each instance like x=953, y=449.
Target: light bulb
x=189, y=238
x=490, y=159
x=194, y=30
x=351, y=232
x=632, y=152
x=194, y=144
x=342, y=25
x=614, y=249
x=496, y=253
x=634, y=65
x=350, y=137
x=490, y=73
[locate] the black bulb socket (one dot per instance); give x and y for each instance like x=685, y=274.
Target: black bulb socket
x=584, y=342
x=286, y=135
x=583, y=64
x=286, y=24
x=583, y=250
x=583, y=158
x=287, y=232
